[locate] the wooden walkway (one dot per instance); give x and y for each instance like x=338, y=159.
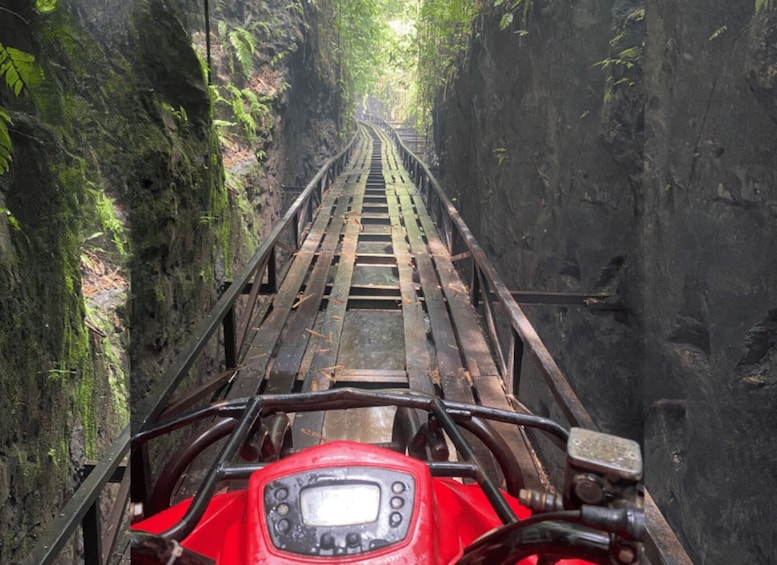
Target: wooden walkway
x=372, y=300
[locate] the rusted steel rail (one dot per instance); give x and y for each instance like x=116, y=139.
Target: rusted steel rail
x=258, y=276
x=513, y=338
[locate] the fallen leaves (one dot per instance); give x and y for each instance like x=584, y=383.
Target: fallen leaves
x=98, y=276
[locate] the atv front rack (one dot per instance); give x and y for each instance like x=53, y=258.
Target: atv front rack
x=240, y=420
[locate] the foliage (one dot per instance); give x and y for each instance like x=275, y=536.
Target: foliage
x=359, y=31
x=46, y=6
x=107, y=217
x=19, y=69
x=627, y=58
x=249, y=109
x=20, y=73
x=501, y=155
x=244, y=44
x=625, y=50
x=718, y=32
x=14, y=223
x=443, y=33
x=396, y=86
x=508, y=17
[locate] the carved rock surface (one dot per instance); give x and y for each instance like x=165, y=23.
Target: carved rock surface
x=630, y=147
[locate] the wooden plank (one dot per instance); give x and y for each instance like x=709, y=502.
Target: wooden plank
x=417, y=360
x=258, y=353
x=474, y=345
x=491, y=392
x=307, y=427
x=352, y=374
x=371, y=377
x=467, y=330
x=452, y=375
x=295, y=338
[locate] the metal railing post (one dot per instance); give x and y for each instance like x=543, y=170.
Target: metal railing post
x=92, y=531
x=515, y=362
x=230, y=339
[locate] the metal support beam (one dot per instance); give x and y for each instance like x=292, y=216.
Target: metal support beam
x=558, y=298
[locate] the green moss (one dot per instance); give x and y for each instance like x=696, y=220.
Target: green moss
x=59, y=455
x=106, y=215
x=159, y=292
x=29, y=467
x=86, y=402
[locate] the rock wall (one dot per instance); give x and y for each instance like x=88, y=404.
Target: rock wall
x=117, y=175
x=629, y=147
x=64, y=383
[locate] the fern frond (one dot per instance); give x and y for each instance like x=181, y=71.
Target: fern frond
x=244, y=45
x=253, y=102
x=238, y=107
x=6, y=148
x=19, y=70
x=263, y=26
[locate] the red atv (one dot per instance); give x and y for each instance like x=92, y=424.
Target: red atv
x=347, y=502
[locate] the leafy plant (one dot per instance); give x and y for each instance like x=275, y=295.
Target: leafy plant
x=11, y=219
x=180, y=115
x=249, y=109
x=106, y=214
x=509, y=16
x=244, y=44
x=501, y=155
x=444, y=31
x=19, y=69
x=46, y=6
x=627, y=58
x=718, y=32
x=20, y=73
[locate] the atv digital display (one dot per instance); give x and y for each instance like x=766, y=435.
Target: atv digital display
x=340, y=504
x=339, y=510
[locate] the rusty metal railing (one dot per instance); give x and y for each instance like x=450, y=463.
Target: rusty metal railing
x=516, y=344
x=258, y=277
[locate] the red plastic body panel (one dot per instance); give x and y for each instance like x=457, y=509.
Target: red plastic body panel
x=447, y=515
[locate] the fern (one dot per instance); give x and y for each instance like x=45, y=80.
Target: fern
x=263, y=26
x=243, y=117
x=19, y=70
x=107, y=217
x=258, y=105
x=244, y=45
x=20, y=73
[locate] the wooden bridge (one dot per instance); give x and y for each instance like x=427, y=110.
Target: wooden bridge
x=371, y=280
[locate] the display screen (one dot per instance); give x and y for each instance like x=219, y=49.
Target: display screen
x=340, y=505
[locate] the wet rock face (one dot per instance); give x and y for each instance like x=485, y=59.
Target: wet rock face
x=629, y=147
x=762, y=59
x=126, y=114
